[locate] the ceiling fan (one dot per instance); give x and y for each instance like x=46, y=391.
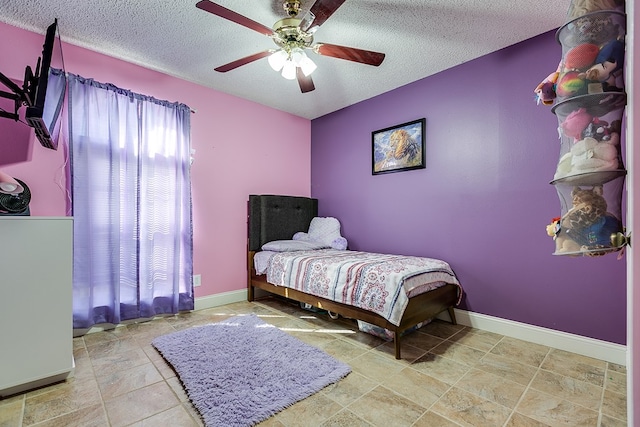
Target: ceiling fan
x=293, y=36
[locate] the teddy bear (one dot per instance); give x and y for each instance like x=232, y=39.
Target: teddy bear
x=325, y=230
x=587, y=226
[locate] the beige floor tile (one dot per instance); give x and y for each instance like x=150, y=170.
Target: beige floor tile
x=421, y=340
x=383, y=407
x=492, y=387
x=468, y=409
x=313, y=337
x=114, y=362
x=343, y=350
x=616, y=381
x=375, y=366
x=522, y=351
x=431, y=419
x=616, y=368
x=174, y=417
x=441, y=368
x=140, y=404
x=475, y=338
x=579, y=392
x=193, y=412
x=11, y=411
x=165, y=369
x=368, y=341
x=519, y=420
x=459, y=352
x=441, y=329
x=576, y=366
x=311, y=411
x=608, y=421
x=271, y=422
x=88, y=416
x=408, y=353
x=178, y=389
x=104, y=349
x=614, y=405
x=417, y=387
x=61, y=399
x=506, y=368
x=345, y=418
x=350, y=388
x=126, y=380
x=554, y=410
x=103, y=336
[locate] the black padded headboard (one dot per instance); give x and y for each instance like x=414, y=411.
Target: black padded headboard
x=274, y=217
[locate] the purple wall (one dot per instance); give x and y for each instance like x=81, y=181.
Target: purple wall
x=484, y=199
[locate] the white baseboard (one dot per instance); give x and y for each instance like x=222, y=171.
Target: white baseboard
x=216, y=300
x=590, y=347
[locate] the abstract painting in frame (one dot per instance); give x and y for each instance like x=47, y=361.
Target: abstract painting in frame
x=399, y=148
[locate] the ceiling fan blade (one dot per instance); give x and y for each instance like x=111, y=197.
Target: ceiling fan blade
x=225, y=13
x=305, y=82
x=243, y=61
x=349, y=53
x=323, y=9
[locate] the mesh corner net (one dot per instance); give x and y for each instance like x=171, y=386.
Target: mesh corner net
x=589, y=106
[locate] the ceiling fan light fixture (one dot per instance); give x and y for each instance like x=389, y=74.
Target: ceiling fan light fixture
x=278, y=59
x=289, y=70
x=307, y=66
x=297, y=56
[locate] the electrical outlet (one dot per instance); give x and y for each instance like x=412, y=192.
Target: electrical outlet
x=197, y=280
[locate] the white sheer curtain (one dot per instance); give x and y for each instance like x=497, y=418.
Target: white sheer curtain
x=131, y=203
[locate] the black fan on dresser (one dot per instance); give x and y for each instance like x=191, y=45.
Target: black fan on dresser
x=14, y=197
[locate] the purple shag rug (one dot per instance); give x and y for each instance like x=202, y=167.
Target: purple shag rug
x=240, y=371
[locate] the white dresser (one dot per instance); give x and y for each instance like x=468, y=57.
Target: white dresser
x=36, y=318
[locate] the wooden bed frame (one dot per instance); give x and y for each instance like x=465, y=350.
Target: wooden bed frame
x=272, y=217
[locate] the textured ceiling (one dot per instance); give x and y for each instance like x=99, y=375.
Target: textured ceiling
x=419, y=38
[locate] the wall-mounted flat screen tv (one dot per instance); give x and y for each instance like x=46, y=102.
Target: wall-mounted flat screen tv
x=44, y=110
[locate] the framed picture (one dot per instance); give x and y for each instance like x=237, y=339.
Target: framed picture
x=398, y=148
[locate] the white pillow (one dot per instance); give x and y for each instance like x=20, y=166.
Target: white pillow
x=324, y=230
x=293, y=245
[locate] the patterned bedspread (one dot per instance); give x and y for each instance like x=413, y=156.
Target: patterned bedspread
x=376, y=282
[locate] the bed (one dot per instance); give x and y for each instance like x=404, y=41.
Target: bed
x=275, y=218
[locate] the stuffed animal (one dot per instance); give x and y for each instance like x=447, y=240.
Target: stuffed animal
x=325, y=230
x=554, y=227
x=582, y=7
x=587, y=224
x=546, y=90
x=581, y=57
x=597, y=28
x=565, y=245
x=601, y=130
x=571, y=83
x=589, y=155
x=608, y=66
x=575, y=123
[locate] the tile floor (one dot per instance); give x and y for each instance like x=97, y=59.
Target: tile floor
x=449, y=376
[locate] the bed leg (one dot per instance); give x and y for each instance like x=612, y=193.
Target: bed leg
x=452, y=314
x=250, y=296
x=396, y=342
